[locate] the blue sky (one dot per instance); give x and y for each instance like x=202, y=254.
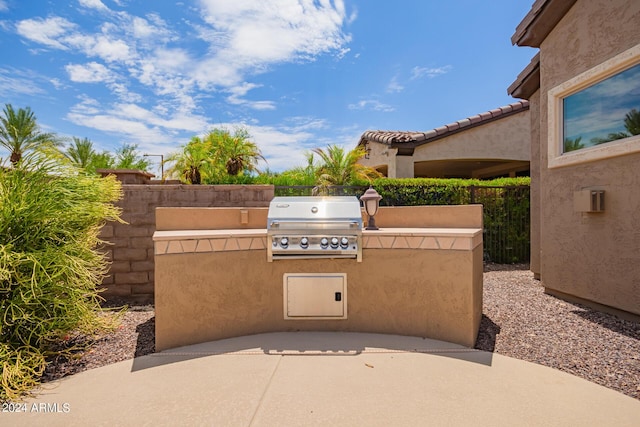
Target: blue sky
x=298, y=74
x=600, y=109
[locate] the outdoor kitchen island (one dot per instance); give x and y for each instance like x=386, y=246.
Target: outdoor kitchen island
x=420, y=274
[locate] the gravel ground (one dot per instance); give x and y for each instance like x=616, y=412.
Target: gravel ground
x=519, y=321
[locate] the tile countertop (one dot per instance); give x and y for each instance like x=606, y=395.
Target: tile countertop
x=191, y=241
x=260, y=232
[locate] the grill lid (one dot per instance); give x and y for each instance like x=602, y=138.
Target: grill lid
x=314, y=227
x=304, y=212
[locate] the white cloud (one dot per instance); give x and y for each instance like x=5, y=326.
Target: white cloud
x=249, y=36
x=243, y=39
x=14, y=82
x=419, y=72
x=237, y=92
x=93, y=4
x=304, y=123
x=394, y=85
x=56, y=83
x=142, y=29
x=254, y=105
x=3, y=6
x=88, y=73
x=58, y=33
x=109, y=49
x=132, y=130
x=134, y=123
x=152, y=29
x=283, y=148
x=45, y=31
x=596, y=123
x=371, y=104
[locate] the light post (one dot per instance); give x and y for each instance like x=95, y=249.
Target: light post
x=371, y=201
x=161, y=163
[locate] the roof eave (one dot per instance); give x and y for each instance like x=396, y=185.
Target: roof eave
x=541, y=19
x=410, y=140
x=528, y=81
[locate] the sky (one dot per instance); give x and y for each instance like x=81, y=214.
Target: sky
x=599, y=110
x=297, y=74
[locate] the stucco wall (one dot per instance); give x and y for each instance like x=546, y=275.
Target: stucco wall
x=130, y=245
x=503, y=139
x=593, y=256
x=534, y=192
x=207, y=289
x=428, y=293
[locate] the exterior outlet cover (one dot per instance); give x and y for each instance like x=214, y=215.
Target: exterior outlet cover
x=315, y=295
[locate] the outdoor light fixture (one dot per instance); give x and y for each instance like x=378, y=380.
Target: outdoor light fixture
x=371, y=201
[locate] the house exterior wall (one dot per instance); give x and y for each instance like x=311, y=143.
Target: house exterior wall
x=503, y=139
x=591, y=256
x=381, y=155
x=534, y=191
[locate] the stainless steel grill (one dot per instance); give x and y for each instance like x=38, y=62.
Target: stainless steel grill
x=314, y=227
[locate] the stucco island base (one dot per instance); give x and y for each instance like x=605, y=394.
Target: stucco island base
x=234, y=291
x=421, y=276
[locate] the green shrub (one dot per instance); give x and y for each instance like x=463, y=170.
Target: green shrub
x=435, y=191
x=50, y=217
x=505, y=204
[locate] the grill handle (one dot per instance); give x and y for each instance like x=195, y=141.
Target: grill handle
x=314, y=224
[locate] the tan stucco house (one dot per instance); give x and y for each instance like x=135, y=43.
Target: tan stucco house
x=583, y=87
x=491, y=144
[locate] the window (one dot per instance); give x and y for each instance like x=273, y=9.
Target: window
x=596, y=115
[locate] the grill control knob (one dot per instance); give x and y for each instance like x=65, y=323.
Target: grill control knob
x=344, y=242
x=304, y=243
x=324, y=242
x=284, y=242
x=334, y=242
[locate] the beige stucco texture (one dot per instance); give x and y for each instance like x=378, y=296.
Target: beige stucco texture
x=593, y=256
x=217, y=283
x=497, y=147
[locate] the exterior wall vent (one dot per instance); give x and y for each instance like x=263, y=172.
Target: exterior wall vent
x=588, y=200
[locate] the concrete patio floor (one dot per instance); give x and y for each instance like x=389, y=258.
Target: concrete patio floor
x=325, y=378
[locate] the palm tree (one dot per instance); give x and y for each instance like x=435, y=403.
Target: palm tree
x=340, y=168
x=188, y=164
x=127, y=157
x=20, y=133
x=236, y=152
x=81, y=152
x=632, y=122
x=573, y=144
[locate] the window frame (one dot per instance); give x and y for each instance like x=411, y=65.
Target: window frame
x=556, y=157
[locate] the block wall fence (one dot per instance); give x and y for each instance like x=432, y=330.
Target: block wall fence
x=129, y=245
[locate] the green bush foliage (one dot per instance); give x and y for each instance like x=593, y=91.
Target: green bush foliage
x=505, y=205
x=435, y=191
x=50, y=217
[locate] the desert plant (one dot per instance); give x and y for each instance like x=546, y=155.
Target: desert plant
x=235, y=152
x=50, y=217
x=189, y=163
x=340, y=167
